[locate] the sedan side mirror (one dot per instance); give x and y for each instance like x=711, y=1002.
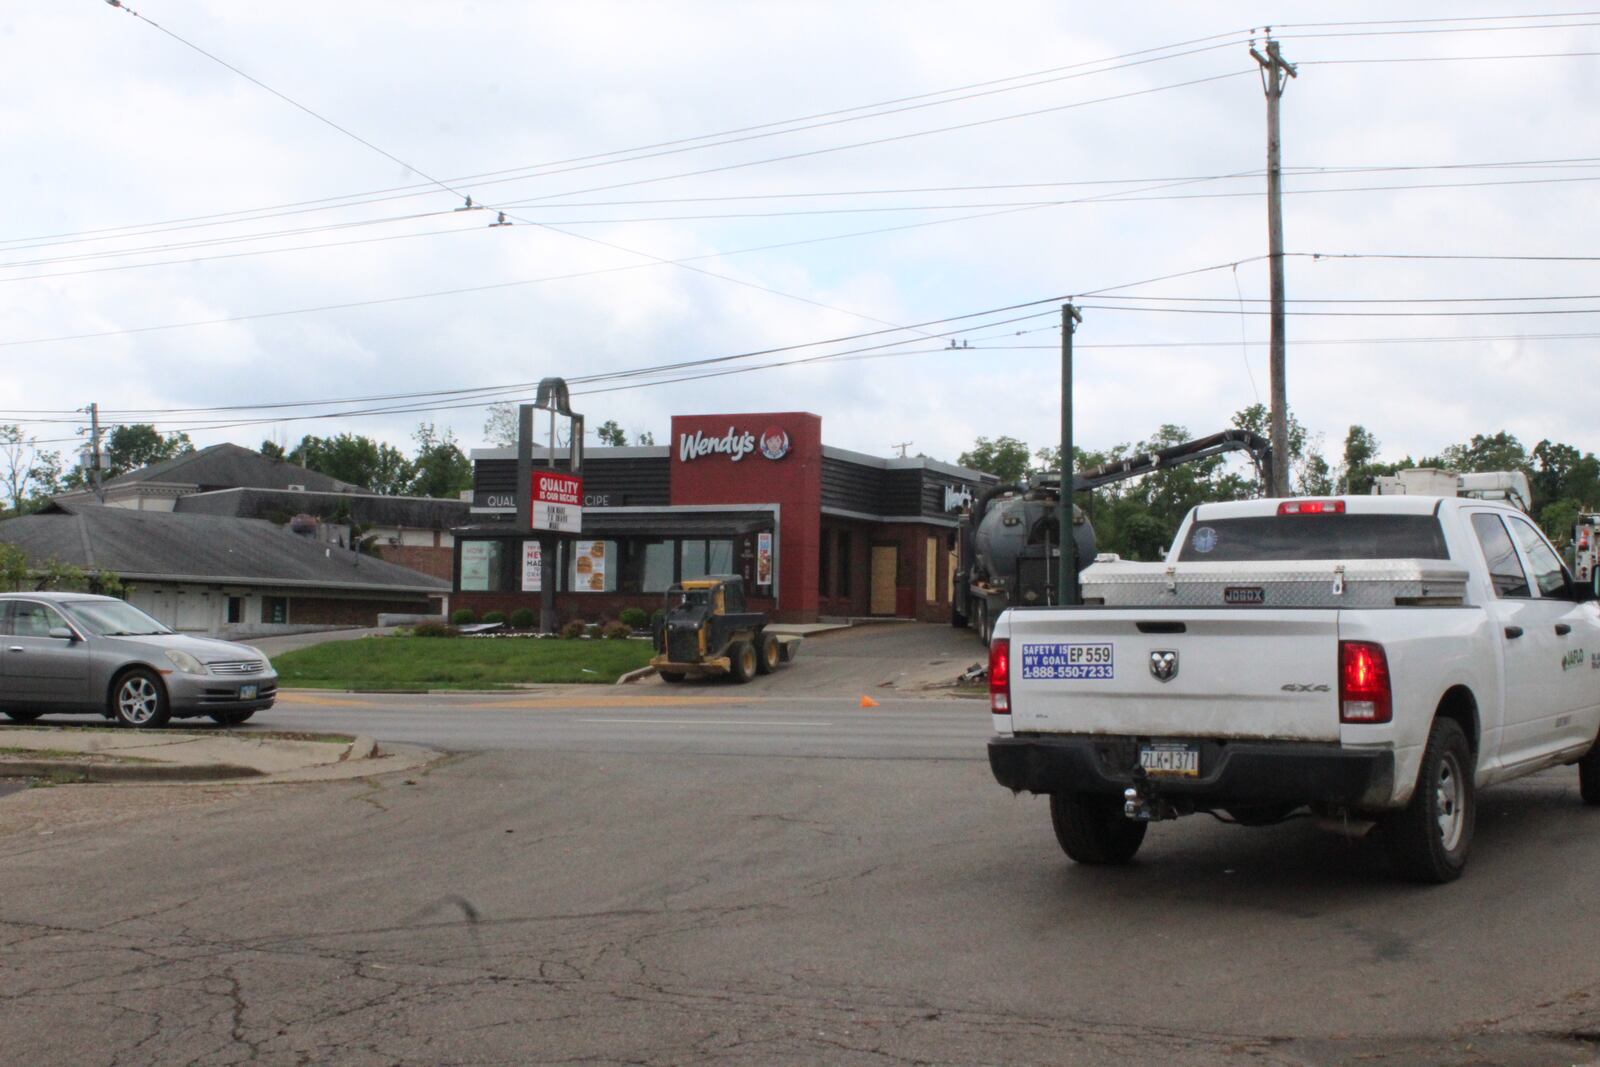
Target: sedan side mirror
x=65, y=633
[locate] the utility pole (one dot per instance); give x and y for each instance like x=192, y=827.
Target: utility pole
x=902, y=446
x=1067, y=567
x=1274, y=76
x=94, y=454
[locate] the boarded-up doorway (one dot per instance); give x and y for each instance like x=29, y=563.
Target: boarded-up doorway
x=885, y=564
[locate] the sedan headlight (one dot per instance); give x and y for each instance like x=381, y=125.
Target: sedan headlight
x=185, y=662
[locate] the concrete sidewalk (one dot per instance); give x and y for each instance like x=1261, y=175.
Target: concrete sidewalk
x=110, y=754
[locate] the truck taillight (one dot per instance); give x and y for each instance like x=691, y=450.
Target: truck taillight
x=1363, y=683
x=1311, y=507
x=1000, y=676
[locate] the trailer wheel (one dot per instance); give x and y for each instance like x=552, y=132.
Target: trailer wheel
x=1092, y=829
x=768, y=652
x=743, y=658
x=1429, y=838
x=671, y=676
x=980, y=616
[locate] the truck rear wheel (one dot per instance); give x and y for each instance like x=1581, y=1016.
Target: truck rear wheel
x=980, y=620
x=1092, y=829
x=742, y=657
x=1589, y=776
x=1430, y=837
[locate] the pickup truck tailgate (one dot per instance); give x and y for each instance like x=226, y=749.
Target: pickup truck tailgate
x=1231, y=672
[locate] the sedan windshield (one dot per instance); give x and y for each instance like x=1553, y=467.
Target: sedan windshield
x=113, y=618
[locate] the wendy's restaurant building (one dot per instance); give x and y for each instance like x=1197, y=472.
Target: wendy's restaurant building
x=815, y=531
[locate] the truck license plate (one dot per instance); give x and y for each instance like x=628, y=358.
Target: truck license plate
x=1170, y=758
x=247, y=692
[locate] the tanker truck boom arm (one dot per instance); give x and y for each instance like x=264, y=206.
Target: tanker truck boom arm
x=1008, y=544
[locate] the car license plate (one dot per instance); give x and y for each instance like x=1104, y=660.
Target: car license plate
x=1174, y=759
x=247, y=692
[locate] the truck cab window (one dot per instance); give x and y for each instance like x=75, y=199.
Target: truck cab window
x=1548, y=573
x=1505, y=570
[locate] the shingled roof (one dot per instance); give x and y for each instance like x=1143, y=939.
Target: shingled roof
x=415, y=512
x=168, y=546
x=228, y=466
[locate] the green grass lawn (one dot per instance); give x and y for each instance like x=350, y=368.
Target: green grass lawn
x=457, y=662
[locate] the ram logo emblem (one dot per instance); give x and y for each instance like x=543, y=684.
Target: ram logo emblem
x=1164, y=664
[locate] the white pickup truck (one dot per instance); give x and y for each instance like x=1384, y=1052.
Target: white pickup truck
x=1374, y=659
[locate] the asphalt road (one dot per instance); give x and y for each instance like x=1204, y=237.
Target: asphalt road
x=757, y=882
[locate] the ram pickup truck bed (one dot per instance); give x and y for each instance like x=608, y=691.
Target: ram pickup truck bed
x=1373, y=658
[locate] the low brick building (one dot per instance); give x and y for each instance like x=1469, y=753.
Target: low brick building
x=223, y=575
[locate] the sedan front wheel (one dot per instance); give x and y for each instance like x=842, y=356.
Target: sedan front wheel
x=138, y=700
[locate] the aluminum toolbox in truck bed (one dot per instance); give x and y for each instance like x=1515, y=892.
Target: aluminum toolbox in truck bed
x=1380, y=583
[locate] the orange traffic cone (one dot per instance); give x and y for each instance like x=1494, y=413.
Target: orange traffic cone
x=868, y=702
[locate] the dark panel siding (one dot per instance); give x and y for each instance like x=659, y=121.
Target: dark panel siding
x=632, y=482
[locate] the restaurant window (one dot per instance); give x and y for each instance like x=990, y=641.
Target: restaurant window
x=646, y=565
x=236, y=609
x=844, y=562
x=481, y=567
x=700, y=558
x=593, y=567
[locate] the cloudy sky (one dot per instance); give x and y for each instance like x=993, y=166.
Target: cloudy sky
x=857, y=186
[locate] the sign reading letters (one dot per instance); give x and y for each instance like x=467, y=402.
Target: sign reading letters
x=557, y=503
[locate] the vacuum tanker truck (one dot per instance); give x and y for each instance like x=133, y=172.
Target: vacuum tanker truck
x=1008, y=544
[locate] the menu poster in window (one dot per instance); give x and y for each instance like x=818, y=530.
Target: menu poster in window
x=764, y=559
x=475, y=565
x=589, y=566
x=532, y=567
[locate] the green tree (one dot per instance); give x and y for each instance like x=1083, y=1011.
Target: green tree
x=1005, y=457
x=13, y=567
x=272, y=450
x=357, y=460
x=612, y=434
x=645, y=438
x=1499, y=452
x=139, y=444
x=1360, y=456
x=29, y=475
x=441, y=468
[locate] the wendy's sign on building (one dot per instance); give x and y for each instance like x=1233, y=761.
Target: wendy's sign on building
x=736, y=443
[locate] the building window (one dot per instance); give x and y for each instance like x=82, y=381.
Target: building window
x=647, y=567
x=236, y=609
x=824, y=562
x=700, y=558
x=275, y=609
x=593, y=568
x=481, y=567
x=844, y=563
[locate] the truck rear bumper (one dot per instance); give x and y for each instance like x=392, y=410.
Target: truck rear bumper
x=1231, y=772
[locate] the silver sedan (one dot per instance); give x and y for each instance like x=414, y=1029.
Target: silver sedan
x=81, y=654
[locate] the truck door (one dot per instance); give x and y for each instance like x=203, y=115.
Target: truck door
x=1577, y=626
x=39, y=670
x=1535, y=694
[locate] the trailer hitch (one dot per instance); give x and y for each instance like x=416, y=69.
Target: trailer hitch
x=1141, y=803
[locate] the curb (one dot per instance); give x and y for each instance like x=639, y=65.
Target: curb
x=634, y=676
x=91, y=771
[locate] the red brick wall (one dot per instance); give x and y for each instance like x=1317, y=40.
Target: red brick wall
x=427, y=559
x=333, y=611
x=584, y=607
x=793, y=482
